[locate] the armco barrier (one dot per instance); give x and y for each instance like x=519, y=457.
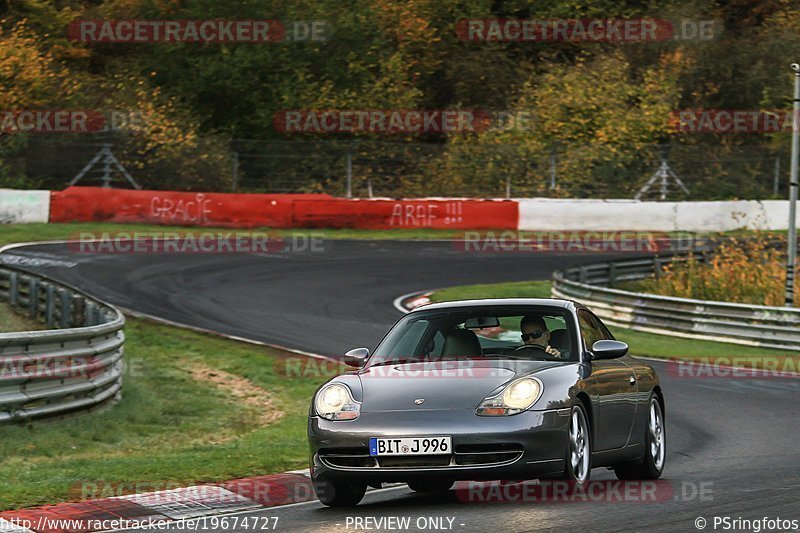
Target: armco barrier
x=756, y=325
x=57, y=371
x=87, y=204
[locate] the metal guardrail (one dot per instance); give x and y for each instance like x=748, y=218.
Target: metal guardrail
x=755, y=325
x=54, y=372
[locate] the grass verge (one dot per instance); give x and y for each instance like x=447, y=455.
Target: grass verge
x=195, y=408
x=11, y=321
x=45, y=232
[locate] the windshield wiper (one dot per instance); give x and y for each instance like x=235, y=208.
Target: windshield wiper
x=506, y=356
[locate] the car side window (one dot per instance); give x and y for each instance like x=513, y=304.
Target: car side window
x=600, y=327
x=590, y=332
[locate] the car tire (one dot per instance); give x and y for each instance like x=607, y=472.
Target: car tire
x=651, y=465
x=339, y=494
x=430, y=485
x=578, y=460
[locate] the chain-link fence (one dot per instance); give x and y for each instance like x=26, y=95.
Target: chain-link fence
x=371, y=168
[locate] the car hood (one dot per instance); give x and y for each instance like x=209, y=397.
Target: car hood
x=441, y=385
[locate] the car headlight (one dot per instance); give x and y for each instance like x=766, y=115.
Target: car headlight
x=516, y=397
x=334, y=402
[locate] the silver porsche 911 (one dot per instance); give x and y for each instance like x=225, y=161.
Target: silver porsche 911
x=485, y=390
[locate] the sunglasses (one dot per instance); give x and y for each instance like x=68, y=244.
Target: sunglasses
x=533, y=334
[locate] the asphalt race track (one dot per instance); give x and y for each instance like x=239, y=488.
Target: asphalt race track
x=732, y=442
x=324, y=302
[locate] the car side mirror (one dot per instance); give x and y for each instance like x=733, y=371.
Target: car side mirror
x=608, y=349
x=356, y=357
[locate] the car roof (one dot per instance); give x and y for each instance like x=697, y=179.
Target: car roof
x=489, y=302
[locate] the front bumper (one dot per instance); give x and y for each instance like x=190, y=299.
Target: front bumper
x=525, y=446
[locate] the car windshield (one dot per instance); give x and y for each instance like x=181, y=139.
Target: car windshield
x=479, y=332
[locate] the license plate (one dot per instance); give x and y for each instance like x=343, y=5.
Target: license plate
x=411, y=446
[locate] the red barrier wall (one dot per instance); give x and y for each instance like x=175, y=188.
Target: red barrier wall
x=85, y=204
x=390, y=214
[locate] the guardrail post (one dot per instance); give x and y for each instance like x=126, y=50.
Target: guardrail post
x=657, y=267
x=612, y=274
x=33, y=298
x=582, y=274
x=50, y=306
x=13, y=289
x=88, y=314
x=66, y=308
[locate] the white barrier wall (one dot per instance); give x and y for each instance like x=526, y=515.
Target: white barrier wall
x=544, y=214
x=24, y=206
x=616, y=215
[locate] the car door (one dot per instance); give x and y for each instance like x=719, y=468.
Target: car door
x=616, y=388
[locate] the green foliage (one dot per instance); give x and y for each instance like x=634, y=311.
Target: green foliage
x=600, y=105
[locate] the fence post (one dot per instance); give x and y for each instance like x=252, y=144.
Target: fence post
x=553, y=167
x=657, y=267
x=349, y=173
x=508, y=187
x=582, y=274
x=235, y=170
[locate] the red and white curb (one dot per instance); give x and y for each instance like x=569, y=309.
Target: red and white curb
x=409, y=302
x=119, y=512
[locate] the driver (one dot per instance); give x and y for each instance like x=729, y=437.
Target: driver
x=535, y=333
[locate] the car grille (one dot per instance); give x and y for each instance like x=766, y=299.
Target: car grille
x=487, y=454
x=464, y=455
x=347, y=457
